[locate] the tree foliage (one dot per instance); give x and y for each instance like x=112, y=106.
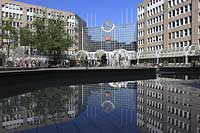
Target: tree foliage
x=9, y=35
x=26, y=37
x=51, y=37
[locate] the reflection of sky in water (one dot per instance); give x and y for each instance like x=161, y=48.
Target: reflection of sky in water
x=97, y=117
x=162, y=105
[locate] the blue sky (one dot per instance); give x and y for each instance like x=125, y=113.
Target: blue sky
x=104, y=9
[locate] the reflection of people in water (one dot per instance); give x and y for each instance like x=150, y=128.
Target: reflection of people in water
x=120, y=60
x=33, y=63
x=86, y=62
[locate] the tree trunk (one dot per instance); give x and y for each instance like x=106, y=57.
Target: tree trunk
x=8, y=51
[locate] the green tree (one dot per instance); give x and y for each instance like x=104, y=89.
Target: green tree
x=58, y=39
x=40, y=35
x=51, y=37
x=9, y=35
x=26, y=37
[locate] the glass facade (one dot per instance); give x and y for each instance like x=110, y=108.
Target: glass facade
x=117, y=37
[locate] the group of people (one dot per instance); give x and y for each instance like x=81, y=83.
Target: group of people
x=28, y=64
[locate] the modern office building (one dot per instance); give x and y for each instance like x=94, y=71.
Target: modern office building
x=168, y=105
x=110, y=37
x=111, y=42
x=23, y=14
x=169, y=31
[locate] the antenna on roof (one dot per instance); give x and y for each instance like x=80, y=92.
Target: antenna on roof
x=91, y=17
x=126, y=15
x=87, y=20
x=131, y=15
x=95, y=20
x=122, y=17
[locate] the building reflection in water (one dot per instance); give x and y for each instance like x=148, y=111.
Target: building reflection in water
x=168, y=105
x=164, y=105
x=39, y=108
x=104, y=107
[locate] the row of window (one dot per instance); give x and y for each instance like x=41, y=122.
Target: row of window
x=175, y=90
x=141, y=25
x=13, y=125
x=155, y=39
x=154, y=95
x=139, y=107
x=180, y=22
x=140, y=16
x=12, y=15
x=154, y=104
x=152, y=2
x=155, y=123
x=179, y=44
x=70, y=31
x=34, y=10
x=141, y=33
x=12, y=6
x=178, y=112
x=141, y=42
x=155, y=113
x=140, y=99
x=172, y=130
x=12, y=118
x=153, y=48
x=154, y=86
x=180, y=33
x=140, y=49
x=140, y=9
x=14, y=24
x=30, y=26
x=178, y=101
x=172, y=3
x=155, y=10
x=140, y=91
x=140, y=116
x=155, y=29
x=155, y=20
x=152, y=129
x=181, y=10
x=178, y=123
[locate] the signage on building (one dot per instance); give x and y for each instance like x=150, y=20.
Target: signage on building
x=107, y=38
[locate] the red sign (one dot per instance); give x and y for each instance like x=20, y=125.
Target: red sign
x=107, y=94
x=107, y=38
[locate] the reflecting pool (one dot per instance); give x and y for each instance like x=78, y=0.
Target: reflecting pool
x=165, y=104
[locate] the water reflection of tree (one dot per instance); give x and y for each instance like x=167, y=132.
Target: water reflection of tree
x=50, y=104
x=11, y=105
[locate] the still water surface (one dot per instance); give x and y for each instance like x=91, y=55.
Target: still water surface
x=160, y=105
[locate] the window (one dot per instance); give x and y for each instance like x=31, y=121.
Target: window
x=186, y=32
x=181, y=22
x=186, y=8
x=186, y=20
x=181, y=9
x=177, y=22
x=173, y=13
x=181, y=33
x=190, y=31
x=170, y=14
x=177, y=34
x=173, y=24
x=177, y=11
